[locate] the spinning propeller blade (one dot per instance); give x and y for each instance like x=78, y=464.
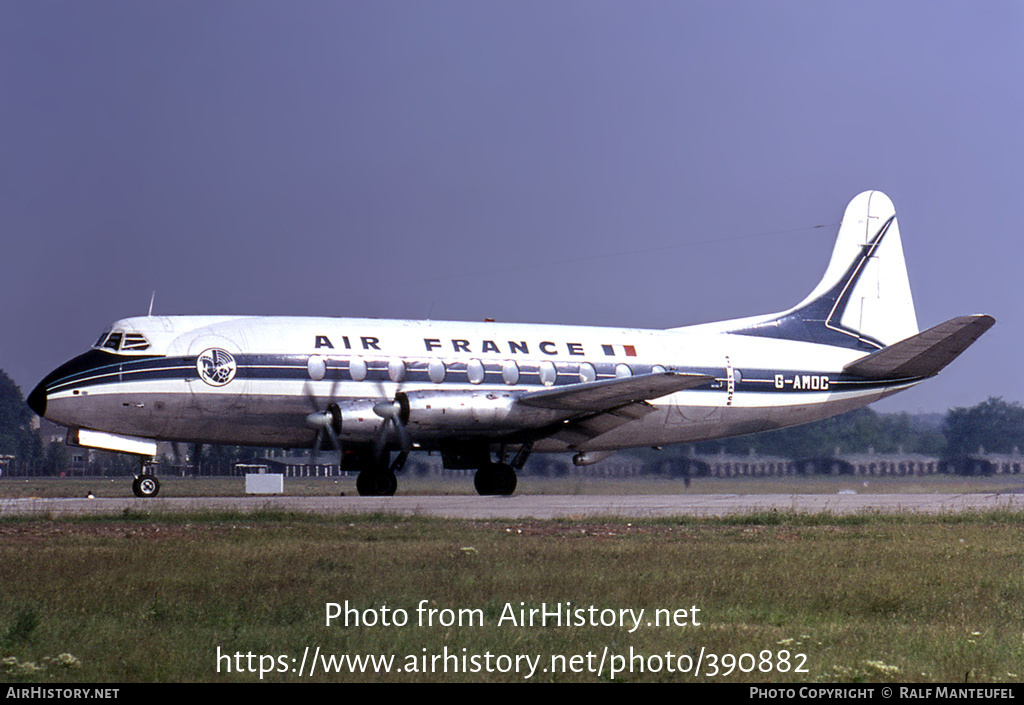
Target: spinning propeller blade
x=326, y=419
x=396, y=416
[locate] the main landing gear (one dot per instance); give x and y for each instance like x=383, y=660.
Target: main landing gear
x=376, y=482
x=495, y=479
x=145, y=484
x=376, y=475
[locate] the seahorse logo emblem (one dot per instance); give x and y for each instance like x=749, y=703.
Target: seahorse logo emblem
x=216, y=366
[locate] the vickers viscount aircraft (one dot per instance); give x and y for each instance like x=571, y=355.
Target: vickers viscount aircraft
x=486, y=395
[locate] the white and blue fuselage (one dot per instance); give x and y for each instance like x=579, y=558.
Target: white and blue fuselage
x=472, y=389
x=271, y=368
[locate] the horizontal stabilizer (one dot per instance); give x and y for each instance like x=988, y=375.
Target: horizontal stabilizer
x=610, y=393
x=924, y=354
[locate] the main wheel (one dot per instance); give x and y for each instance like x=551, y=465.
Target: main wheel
x=146, y=485
x=376, y=483
x=495, y=479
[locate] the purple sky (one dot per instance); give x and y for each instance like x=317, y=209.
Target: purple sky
x=647, y=164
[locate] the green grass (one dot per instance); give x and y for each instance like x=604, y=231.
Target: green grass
x=151, y=598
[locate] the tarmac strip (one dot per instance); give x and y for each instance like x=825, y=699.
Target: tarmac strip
x=535, y=506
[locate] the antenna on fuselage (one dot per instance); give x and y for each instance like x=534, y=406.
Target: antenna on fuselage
x=151, y=300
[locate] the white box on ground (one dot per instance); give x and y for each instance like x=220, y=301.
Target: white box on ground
x=264, y=483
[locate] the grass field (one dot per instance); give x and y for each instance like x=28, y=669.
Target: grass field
x=149, y=598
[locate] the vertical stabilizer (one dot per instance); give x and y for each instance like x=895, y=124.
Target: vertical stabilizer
x=864, y=300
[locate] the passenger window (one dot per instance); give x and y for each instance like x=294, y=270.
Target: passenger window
x=587, y=373
x=436, y=371
x=357, y=369
x=510, y=372
x=317, y=367
x=475, y=371
x=396, y=370
x=548, y=373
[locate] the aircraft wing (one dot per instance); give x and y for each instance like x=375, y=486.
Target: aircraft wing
x=612, y=393
x=924, y=354
x=578, y=432
x=603, y=406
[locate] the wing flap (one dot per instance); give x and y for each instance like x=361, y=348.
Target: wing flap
x=581, y=431
x=924, y=354
x=611, y=393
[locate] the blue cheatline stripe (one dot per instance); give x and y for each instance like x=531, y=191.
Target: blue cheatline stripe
x=288, y=367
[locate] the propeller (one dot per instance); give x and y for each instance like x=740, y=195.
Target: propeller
x=396, y=415
x=326, y=420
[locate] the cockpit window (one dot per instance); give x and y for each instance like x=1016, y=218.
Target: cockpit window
x=119, y=341
x=113, y=341
x=134, y=341
x=123, y=341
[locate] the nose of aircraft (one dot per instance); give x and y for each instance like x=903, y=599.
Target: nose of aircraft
x=37, y=399
x=85, y=362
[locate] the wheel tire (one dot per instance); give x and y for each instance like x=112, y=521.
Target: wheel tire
x=495, y=479
x=372, y=483
x=507, y=480
x=483, y=481
x=146, y=486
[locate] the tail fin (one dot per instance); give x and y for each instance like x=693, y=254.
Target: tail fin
x=863, y=302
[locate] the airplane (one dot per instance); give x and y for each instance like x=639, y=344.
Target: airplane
x=487, y=395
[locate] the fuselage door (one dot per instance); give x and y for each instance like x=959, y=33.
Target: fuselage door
x=703, y=404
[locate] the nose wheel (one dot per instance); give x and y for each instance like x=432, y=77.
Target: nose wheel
x=145, y=485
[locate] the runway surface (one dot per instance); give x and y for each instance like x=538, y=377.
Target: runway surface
x=536, y=506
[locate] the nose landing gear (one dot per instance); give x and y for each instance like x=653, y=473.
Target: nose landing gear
x=145, y=484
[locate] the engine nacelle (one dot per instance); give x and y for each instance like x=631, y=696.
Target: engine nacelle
x=457, y=411
x=432, y=414
x=358, y=421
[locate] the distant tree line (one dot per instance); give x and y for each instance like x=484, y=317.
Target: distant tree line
x=20, y=445
x=856, y=431
x=993, y=426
